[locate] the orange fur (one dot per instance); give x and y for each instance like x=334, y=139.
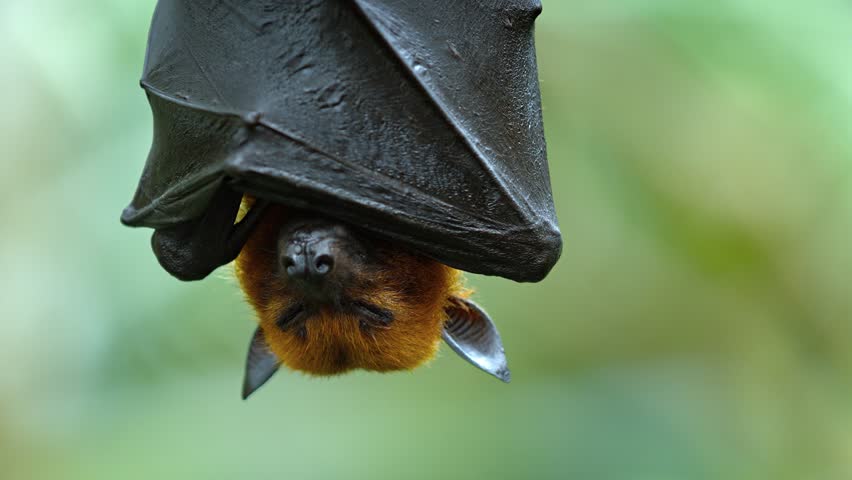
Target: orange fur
x=416, y=289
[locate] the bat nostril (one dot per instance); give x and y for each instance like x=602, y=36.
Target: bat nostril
x=293, y=267
x=288, y=262
x=323, y=264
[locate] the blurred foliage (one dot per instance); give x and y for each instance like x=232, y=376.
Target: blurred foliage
x=697, y=326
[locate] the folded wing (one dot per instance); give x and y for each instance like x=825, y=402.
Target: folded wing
x=419, y=120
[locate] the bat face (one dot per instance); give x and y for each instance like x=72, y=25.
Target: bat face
x=329, y=300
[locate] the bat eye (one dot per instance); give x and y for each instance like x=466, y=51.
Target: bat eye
x=287, y=262
x=324, y=263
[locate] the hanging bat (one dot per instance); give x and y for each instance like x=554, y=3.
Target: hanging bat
x=377, y=147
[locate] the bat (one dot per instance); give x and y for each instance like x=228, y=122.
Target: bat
x=406, y=133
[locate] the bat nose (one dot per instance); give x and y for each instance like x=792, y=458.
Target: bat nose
x=310, y=262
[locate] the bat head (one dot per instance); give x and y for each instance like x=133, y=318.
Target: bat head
x=330, y=299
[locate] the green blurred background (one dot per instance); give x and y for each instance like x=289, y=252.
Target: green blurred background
x=697, y=326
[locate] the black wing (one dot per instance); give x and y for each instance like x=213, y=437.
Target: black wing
x=419, y=120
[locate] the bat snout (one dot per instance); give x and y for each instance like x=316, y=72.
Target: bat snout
x=309, y=261
x=320, y=258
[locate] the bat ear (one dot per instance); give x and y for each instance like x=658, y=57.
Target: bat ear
x=261, y=364
x=470, y=332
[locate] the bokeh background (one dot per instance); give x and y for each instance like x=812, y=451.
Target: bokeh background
x=697, y=327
